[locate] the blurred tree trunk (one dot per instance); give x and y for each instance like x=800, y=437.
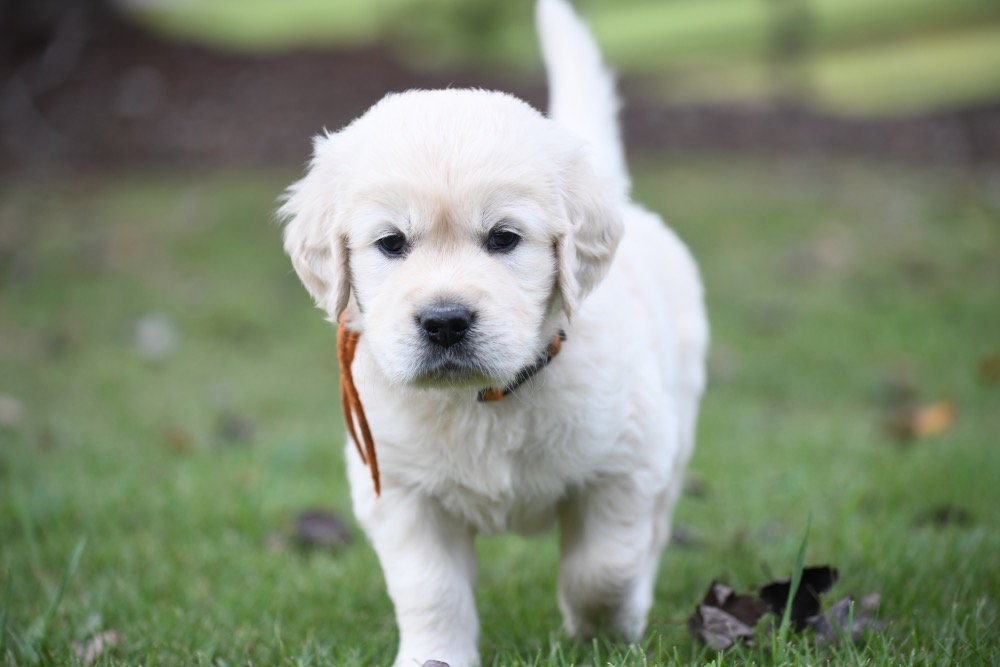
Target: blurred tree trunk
x=41, y=45
x=28, y=27
x=790, y=43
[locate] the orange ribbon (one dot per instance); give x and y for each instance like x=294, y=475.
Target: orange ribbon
x=350, y=402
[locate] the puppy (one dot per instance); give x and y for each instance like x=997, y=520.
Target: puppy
x=458, y=236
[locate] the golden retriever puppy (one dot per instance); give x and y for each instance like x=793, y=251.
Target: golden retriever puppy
x=528, y=346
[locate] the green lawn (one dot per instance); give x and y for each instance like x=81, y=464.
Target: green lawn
x=831, y=284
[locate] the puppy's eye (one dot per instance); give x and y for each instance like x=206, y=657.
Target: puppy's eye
x=393, y=245
x=502, y=240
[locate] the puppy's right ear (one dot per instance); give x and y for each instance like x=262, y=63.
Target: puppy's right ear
x=317, y=249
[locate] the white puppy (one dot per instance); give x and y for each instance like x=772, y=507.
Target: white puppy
x=458, y=232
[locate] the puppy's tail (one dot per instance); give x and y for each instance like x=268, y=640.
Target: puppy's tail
x=581, y=88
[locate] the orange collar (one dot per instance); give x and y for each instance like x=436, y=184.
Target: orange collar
x=350, y=401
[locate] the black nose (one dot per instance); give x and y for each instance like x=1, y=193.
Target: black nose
x=446, y=323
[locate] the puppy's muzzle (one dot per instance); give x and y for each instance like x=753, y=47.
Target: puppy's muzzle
x=445, y=324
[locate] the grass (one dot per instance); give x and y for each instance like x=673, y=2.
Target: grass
x=861, y=57
x=130, y=503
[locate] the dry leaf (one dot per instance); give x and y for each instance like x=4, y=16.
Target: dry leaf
x=989, y=369
x=840, y=621
x=695, y=486
x=178, y=439
x=933, y=419
x=923, y=422
x=95, y=646
x=321, y=528
x=720, y=630
x=897, y=391
x=944, y=515
x=685, y=537
x=724, y=617
x=232, y=428
x=815, y=581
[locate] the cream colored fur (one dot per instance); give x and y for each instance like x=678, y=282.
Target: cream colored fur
x=597, y=442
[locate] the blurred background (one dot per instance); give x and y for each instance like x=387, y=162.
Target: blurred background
x=171, y=465
x=230, y=81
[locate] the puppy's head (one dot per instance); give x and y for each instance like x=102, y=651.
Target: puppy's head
x=454, y=226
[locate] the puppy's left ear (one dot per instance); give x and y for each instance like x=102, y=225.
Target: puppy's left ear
x=584, y=253
x=317, y=250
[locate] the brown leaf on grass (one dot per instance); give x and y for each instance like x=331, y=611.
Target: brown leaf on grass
x=989, y=369
x=319, y=528
x=720, y=630
x=927, y=421
x=178, y=439
x=940, y=516
x=89, y=651
x=695, y=486
x=59, y=341
x=685, y=537
x=847, y=620
x=815, y=581
x=897, y=388
x=934, y=419
x=233, y=428
x=725, y=617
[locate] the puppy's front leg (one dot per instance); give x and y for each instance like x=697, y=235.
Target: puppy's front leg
x=429, y=565
x=612, y=535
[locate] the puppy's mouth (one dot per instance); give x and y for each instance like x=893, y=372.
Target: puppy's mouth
x=454, y=366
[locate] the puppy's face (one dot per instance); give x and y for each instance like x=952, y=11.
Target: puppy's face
x=453, y=275
x=461, y=223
